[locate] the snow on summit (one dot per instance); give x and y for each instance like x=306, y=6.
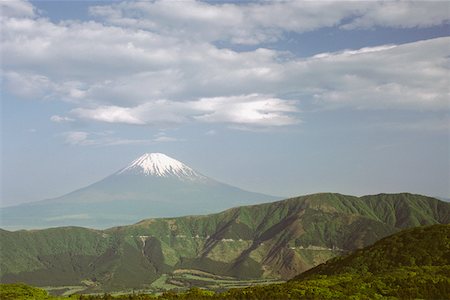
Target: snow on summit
x=161, y=165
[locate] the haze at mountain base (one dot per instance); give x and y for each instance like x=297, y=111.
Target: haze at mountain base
x=153, y=185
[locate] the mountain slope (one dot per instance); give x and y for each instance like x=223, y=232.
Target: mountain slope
x=374, y=272
x=419, y=246
x=272, y=240
x=153, y=185
x=411, y=264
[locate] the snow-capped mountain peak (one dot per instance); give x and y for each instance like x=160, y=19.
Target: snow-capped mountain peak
x=160, y=165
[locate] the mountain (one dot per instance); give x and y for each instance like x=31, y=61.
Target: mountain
x=153, y=185
x=390, y=268
x=161, y=165
x=411, y=264
x=263, y=242
x=419, y=246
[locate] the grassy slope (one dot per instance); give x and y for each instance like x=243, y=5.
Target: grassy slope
x=268, y=240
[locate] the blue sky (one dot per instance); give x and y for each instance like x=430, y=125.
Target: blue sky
x=284, y=98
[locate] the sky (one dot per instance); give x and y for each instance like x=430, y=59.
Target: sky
x=284, y=98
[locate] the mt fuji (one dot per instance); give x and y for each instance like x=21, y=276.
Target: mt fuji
x=153, y=185
x=161, y=165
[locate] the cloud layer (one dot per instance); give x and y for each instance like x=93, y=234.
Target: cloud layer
x=157, y=62
x=251, y=109
x=108, y=138
x=253, y=23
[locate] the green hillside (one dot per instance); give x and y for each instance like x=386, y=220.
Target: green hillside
x=411, y=264
x=414, y=263
x=21, y=292
x=240, y=246
x=421, y=246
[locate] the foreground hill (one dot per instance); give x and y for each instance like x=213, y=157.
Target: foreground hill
x=153, y=185
x=414, y=263
x=420, y=246
x=261, y=242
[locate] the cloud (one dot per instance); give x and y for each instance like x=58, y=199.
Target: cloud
x=77, y=138
x=17, y=8
x=83, y=138
x=257, y=22
x=28, y=85
x=60, y=119
x=152, y=112
x=411, y=76
x=211, y=132
x=165, y=139
x=402, y=14
x=353, y=52
x=155, y=63
x=253, y=109
x=91, y=62
x=110, y=114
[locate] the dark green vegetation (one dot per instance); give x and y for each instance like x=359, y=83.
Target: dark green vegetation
x=414, y=263
x=250, y=244
x=420, y=246
x=21, y=292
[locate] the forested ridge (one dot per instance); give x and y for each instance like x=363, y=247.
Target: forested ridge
x=414, y=263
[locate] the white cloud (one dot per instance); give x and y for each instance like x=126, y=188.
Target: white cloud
x=211, y=132
x=83, y=138
x=253, y=23
x=410, y=76
x=81, y=62
x=165, y=139
x=162, y=137
x=254, y=109
x=349, y=52
x=24, y=84
x=403, y=14
x=77, y=138
x=16, y=8
x=60, y=119
x=152, y=112
x=110, y=114
x=118, y=72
